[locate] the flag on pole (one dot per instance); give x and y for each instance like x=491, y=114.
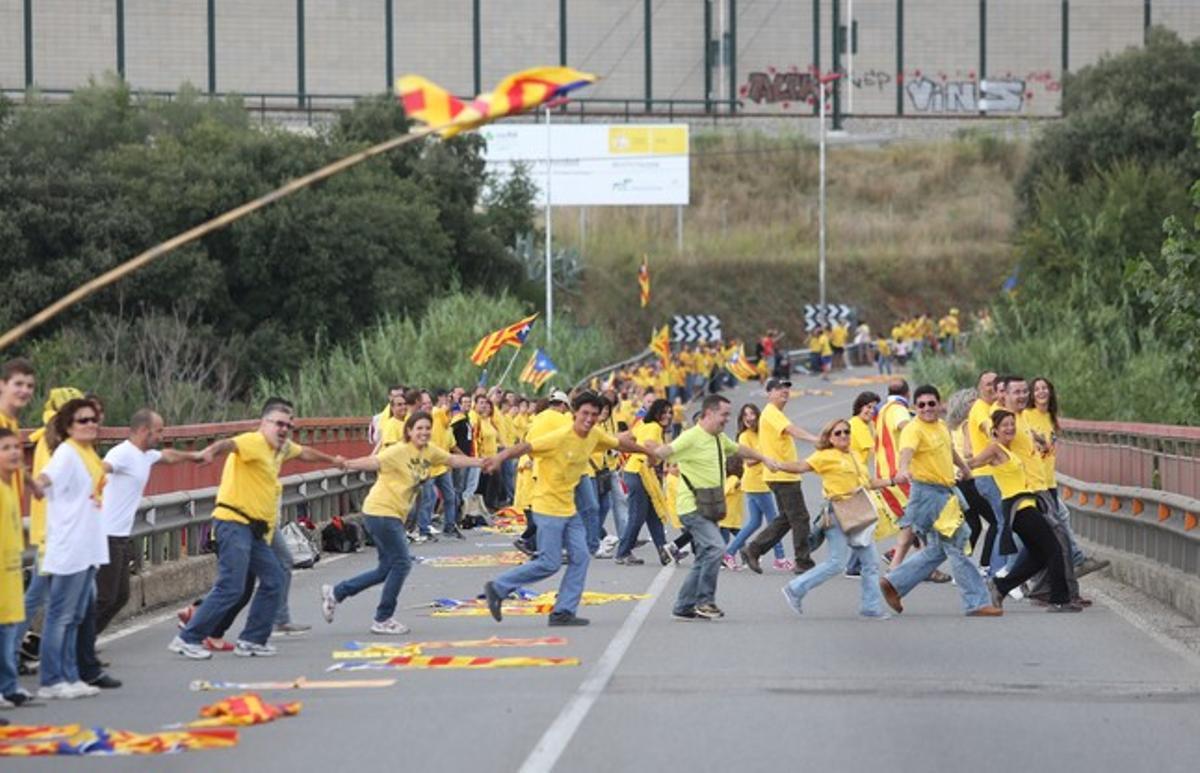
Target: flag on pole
x=644, y=282
x=739, y=366
x=430, y=104
x=538, y=370
x=660, y=344
x=513, y=335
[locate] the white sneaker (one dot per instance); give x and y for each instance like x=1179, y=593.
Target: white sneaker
x=392, y=627
x=328, y=602
x=193, y=651
x=4, y=704
x=56, y=691
x=248, y=649
x=83, y=689
x=434, y=530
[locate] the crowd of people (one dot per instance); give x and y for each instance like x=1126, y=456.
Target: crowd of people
x=935, y=475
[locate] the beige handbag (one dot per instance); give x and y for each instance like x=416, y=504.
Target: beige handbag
x=855, y=512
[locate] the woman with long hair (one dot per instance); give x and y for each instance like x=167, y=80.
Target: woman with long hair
x=649, y=433
x=73, y=483
x=761, y=508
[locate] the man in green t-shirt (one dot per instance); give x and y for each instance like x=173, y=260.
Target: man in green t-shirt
x=700, y=453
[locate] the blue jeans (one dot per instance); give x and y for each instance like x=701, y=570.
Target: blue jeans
x=871, y=600
x=587, y=506
x=760, y=509
x=986, y=485
x=425, y=506
x=279, y=547
x=238, y=554
x=36, y=596
x=640, y=512
x=700, y=586
x=8, y=657
x=508, y=474
x=444, y=484
x=917, y=568
x=69, y=597
x=394, y=565
x=552, y=533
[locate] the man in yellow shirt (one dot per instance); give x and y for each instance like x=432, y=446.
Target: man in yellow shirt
x=948, y=331
x=927, y=462
x=838, y=335
x=777, y=437
x=246, y=516
x=976, y=438
x=562, y=457
x=12, y=606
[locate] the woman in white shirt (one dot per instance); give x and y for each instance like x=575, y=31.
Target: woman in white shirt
x=75, y=544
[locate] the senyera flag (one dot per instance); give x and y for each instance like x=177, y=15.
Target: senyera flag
x=644, y=282
x=660, y=344
x=739, y=366
x=513, y=335
x=428, y=103
x=538, y=370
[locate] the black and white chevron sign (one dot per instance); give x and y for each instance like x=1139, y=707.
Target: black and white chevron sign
x=696, y=328
x=815, y=314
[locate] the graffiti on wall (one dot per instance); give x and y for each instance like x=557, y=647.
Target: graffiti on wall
x=780, y=87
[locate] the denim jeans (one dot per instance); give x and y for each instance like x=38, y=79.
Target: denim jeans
x=1062, y=514
x=640, y=512
x=760, y=509
x=605, y=502
x=36, y=596
x=427, y=500
x=86, y=659
x=986, y=486
x=552, y=533
x=871, y=600
x=444, y=484
x=470, y=482
x=279, y=547
x=587, y=507
x=238, y=554
x=700, y=586
x=8, y=657
x=917, y=568
x=508, y=475
x=394, y=565
x=69, y=597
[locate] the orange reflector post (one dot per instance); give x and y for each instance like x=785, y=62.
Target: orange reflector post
x=1114, y=505
x=1098, y=500
x=1137, y=506
x=1164, y=512
x=1083, y=497
x=1189, y=521
x=1067, y=493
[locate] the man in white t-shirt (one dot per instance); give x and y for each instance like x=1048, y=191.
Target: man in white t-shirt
x=128, y=466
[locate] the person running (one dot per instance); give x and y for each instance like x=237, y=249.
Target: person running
x=700, y=453
x=760, y=502
x=403, y=468
x=927, y=460
x=561, y=456
x=842, y=475
x=1024, y=517
x=556, y=414
x=776, y=439
x=246, y=516
x=862, y=444
x=636, y=476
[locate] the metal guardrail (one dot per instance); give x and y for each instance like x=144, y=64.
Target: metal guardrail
x=1146, y=456
x=603, y=373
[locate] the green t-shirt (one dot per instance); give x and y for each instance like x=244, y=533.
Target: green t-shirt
x=695, y=451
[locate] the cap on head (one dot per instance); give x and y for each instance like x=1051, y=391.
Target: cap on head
x=559, y=396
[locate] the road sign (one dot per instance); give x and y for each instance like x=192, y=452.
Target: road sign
x=695, y=328
x=815, y=314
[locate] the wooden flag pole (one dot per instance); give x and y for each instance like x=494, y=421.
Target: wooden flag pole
x=511, y=362
x=192, y=234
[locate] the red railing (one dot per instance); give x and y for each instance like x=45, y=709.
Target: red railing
x=1150, y=456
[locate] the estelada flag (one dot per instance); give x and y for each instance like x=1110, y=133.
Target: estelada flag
x=430, y=104
x=739, y=367
x=644, y=282
x=660, y=344
x=513, y=335
x=539, y=368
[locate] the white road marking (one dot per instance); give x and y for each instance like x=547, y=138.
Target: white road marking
x=554, y=741
x=1135, y=619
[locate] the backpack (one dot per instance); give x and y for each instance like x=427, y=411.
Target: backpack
x=340, y=536
x=304, y=551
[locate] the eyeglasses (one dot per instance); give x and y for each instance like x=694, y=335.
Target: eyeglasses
x=284, y=424
x=839, y=433
x=87, y=420
x=927, y=404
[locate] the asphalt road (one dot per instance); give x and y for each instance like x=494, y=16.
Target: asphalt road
x=760, y=690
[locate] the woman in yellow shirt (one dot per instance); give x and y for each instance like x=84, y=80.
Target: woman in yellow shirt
x=648, y=433
x=760, y=504
x=841, y=477
x=402, y=469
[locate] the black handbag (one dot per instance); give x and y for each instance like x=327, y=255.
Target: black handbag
x=710, y=500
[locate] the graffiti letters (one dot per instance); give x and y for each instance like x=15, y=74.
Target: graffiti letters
x=993, y=96
x=780, y=87
x=872, y=79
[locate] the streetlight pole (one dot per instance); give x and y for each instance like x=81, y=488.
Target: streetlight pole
x=549, y=254
x=821, y=199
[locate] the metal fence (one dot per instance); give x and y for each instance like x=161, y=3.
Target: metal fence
x=899, y=57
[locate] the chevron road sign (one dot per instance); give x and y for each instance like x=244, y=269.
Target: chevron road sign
x=696, y=328
x=815, y=314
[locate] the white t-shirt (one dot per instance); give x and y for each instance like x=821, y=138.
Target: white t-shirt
x=75, y=538
x=123, y=492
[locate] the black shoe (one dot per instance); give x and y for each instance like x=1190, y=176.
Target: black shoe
x=687, y=614
x=105, y=682
x=750, y=560
x=453, y=532
x=18, y=699
x=523, y=546
x=493, y=601
x=566, y=618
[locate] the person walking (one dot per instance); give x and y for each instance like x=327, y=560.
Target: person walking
x=12, y=605
x=403, y=468
x=760, y=502
x=650, y=433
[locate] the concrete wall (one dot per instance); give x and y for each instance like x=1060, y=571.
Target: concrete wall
x=166, y=43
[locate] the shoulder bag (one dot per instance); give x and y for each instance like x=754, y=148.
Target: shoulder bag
x=710, y=500
x=856, y=511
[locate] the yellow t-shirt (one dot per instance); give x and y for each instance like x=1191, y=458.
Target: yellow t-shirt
x=862, y=440
x=486, y=437
x=774, y=443
x=440, y=436
x=884, y=347
x=391, y=430
x=840, y=476
x=752, y=474
x=838, y=335
x=12, y=589
x=734, y=504
x=250, y=479
x=562, y=459
x=1031, y=459
x=1010, y=475
x=37, y=507
x=932, y=460
x=979, y=431
x=18, y=479
x=402, y=469
x=646, y=431
x=1040, y=423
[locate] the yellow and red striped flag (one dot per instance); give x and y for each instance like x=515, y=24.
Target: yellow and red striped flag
x=644, y=282
x=739, y=366
x=660, y=344
x=538, y=370
x=513, y=335
x=430, y=104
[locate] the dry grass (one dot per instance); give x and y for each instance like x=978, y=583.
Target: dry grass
x=911, y=227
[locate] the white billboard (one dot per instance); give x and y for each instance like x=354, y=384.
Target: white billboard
x=595, y=164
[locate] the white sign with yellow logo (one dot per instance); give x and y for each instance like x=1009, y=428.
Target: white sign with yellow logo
x=595, y=164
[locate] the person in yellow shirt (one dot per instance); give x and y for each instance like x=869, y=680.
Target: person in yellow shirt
x=824, y=348
x=555, y=415
x=391, y=426
x=440, y=483
x=732, y=523
x=403, y=468
x=838, y=335
x=246, y=516
x=650, y=433
x=978, y=435
x=841, y=477
x=374, y=431
x=883, y=359
x=562, y=457
x=12, y=606
x=760, y=502
x=928, y=461
x=948, y=331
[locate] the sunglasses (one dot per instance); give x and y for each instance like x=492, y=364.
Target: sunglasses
x=927, y=404
x=839, y=433
x=86, y=420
